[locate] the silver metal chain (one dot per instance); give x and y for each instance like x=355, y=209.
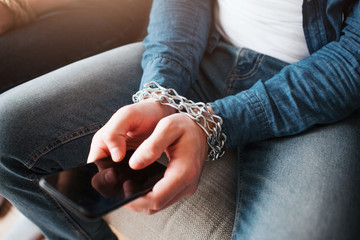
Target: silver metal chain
x=209, y=123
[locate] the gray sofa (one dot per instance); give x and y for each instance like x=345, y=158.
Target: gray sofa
x=208, y=214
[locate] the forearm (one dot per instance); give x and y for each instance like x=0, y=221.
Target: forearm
x=321, y=89
x=176, y=41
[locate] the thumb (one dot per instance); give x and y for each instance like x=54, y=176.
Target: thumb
x=106, y=144
x=164, y=135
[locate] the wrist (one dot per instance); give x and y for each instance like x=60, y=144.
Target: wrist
x=167, y=110
x=199, y=112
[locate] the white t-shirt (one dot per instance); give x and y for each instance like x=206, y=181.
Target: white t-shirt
x=272, y=27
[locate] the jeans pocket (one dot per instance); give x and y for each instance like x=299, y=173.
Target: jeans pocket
x=251, y=67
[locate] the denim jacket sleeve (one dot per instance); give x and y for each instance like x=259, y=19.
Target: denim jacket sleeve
x=320, y=89
x=177, y=38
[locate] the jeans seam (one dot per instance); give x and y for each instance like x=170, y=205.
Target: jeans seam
x=239, y=194
x=59, y=208
x=58, y=141
x=252, y=71
x=259, y=108
x=234, y=76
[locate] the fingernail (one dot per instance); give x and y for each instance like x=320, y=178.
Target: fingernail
x=115, y=154
x=135, y=162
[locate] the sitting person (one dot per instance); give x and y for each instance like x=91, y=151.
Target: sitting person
x=281, y=85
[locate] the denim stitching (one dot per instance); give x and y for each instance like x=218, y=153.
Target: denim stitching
x=239, y=192
x=35, y=155
x=254, y=70
x=58, y=207
x=230, y=77
x=235, y=76
x=265, y=132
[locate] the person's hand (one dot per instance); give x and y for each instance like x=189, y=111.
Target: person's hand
x=127, y=129
x=7, y=19
x=152, y=129
x=185, y=145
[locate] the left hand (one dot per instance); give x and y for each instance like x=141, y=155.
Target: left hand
x=186, y=147
x=127, y=129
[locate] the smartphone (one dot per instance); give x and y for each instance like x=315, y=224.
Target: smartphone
x=95, y=189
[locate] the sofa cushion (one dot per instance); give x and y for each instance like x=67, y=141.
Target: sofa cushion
x=208, y=214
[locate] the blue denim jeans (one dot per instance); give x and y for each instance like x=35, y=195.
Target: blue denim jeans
x=67, y=34
x=300, y=187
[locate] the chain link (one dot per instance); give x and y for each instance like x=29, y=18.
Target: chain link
x=209, y=123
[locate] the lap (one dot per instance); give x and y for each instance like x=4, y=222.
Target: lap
x=289, y=186
x=65, y=107
x=302, y=187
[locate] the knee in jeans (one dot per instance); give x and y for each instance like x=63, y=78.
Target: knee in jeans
x=14, y=126
x=18, y=131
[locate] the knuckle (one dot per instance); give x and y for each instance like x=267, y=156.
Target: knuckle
x=150, y=150
x=109, y=138
x=167, y=123
x=154, y=150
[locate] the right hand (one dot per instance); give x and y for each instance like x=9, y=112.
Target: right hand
x=7, y=19
x=127, y=129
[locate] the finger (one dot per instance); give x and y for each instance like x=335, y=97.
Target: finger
x=110, y=140
x=176, y=184
x=187, y=192
x=98, y=149
x=128, y=127
x=164, y=135
x=114, y=134
x=142, y=204
x=116, y=143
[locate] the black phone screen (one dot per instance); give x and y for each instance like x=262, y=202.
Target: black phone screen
x=95, y=189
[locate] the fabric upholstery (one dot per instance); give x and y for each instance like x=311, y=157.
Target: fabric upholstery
x=208, y=214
